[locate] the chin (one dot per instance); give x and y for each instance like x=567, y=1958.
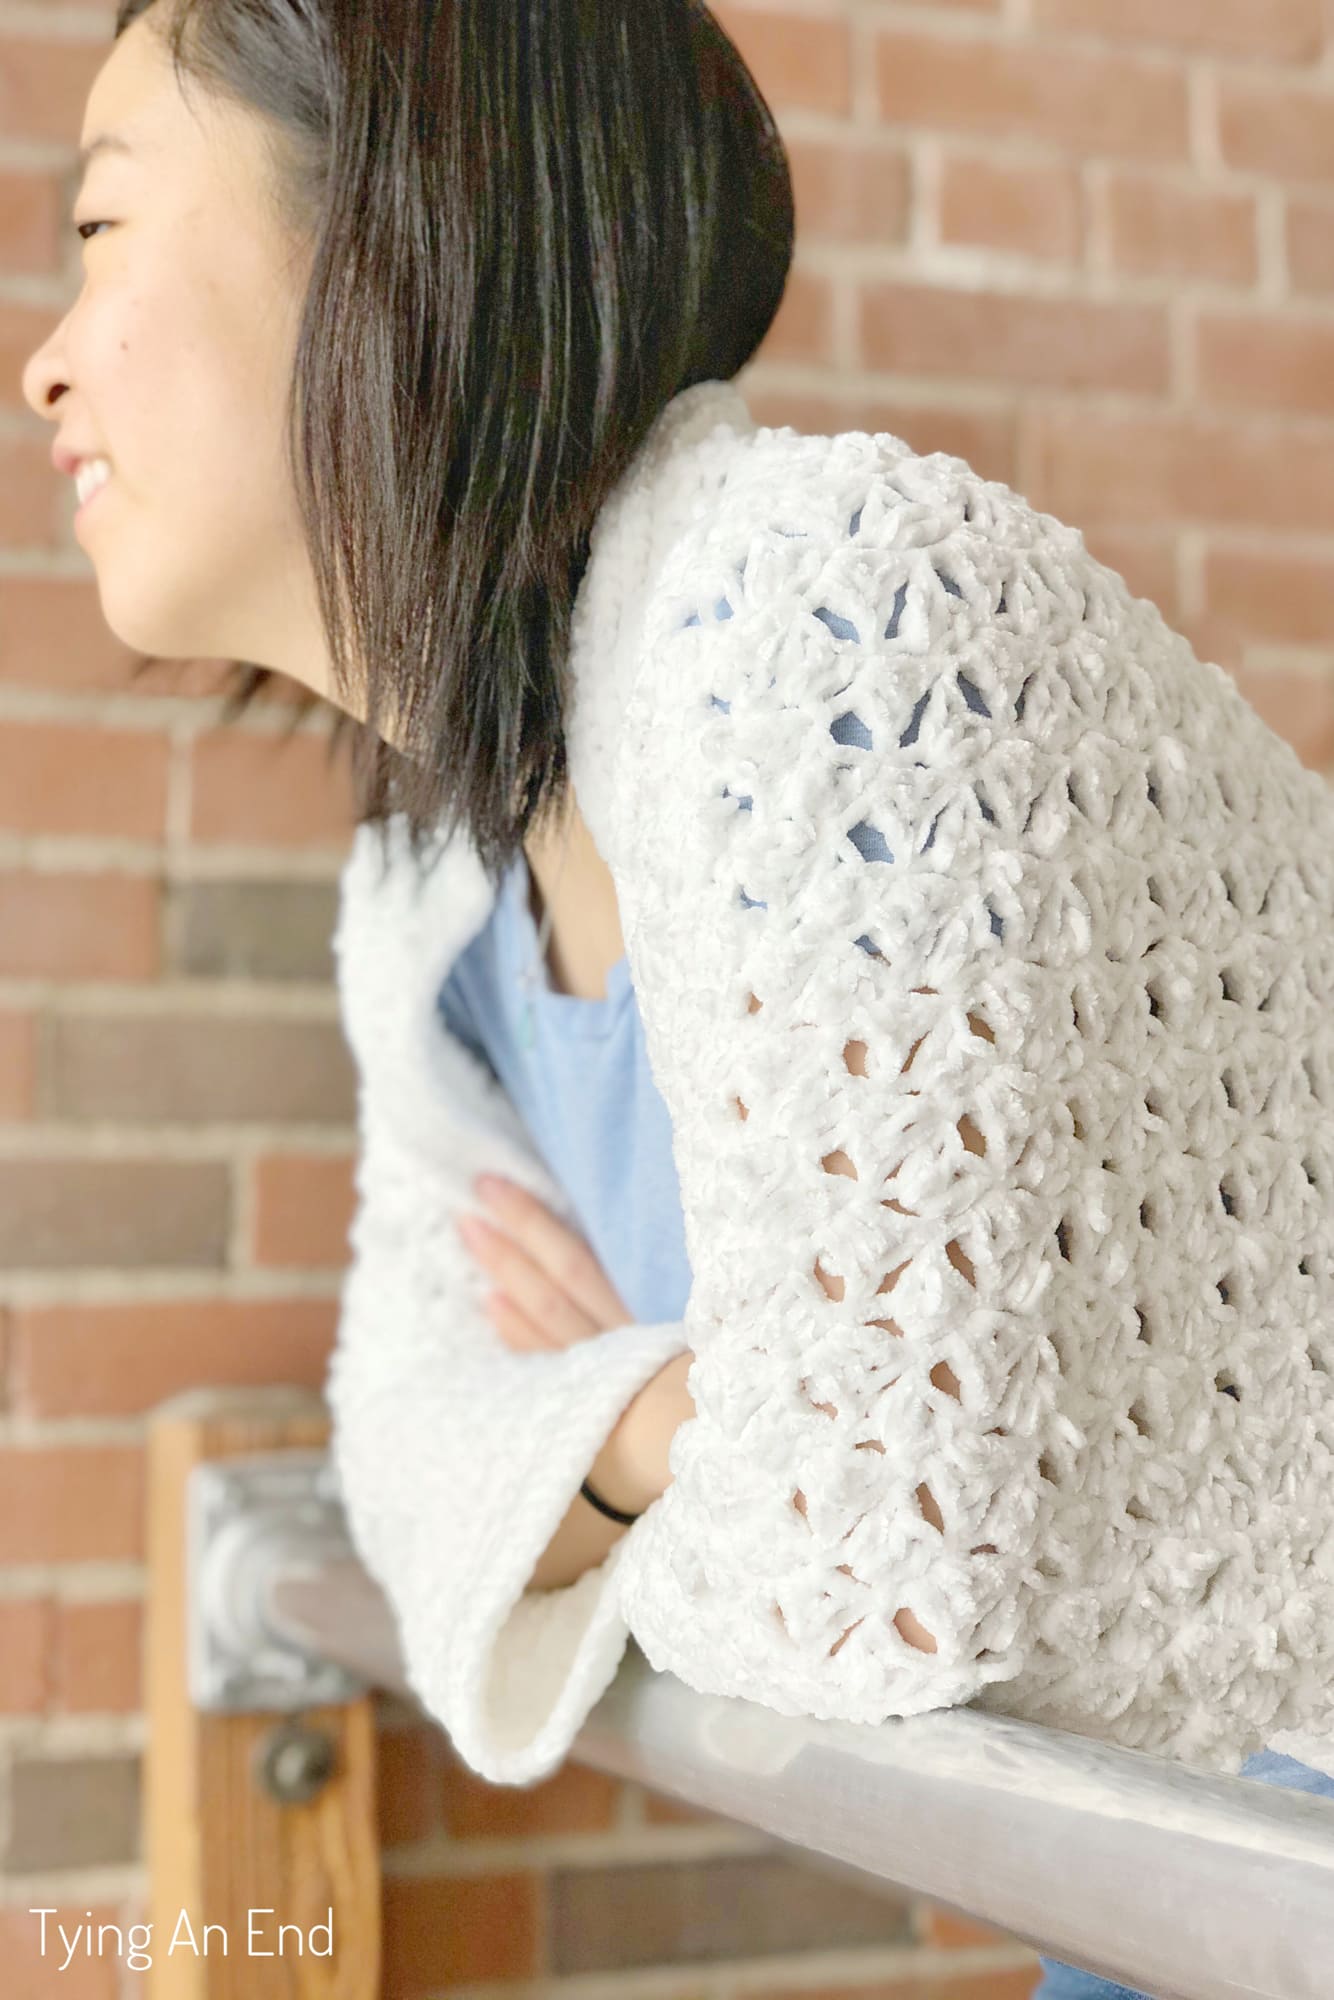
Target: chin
x=152, y=628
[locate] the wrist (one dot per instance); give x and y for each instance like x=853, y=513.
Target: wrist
x=631, y=1471
x=664, y=1404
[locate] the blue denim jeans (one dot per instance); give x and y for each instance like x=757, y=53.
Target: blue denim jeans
x=1067, y=1982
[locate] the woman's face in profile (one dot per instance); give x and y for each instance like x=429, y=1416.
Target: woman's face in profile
x=173, y=364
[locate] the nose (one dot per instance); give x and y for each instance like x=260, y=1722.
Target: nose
x=44, y=380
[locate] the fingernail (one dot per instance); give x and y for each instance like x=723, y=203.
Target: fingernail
x=488, y=1185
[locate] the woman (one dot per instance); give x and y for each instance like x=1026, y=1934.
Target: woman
x=747, y=822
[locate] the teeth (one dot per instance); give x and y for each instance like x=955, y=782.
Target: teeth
x=94, y=472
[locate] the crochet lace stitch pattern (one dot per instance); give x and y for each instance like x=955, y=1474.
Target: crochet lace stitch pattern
x=1019, y=925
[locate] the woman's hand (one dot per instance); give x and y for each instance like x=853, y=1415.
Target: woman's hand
x=550, y=1288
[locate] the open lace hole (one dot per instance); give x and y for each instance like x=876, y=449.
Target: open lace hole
x=834, y=1287
x=911, y=1628
x=944, y=1377
x=891, y=1278
x=970, y=1135
x=961, y=1263
x=844, y=1636
x=825, y=1409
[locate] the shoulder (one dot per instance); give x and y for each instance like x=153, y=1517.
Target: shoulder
x=820, y=561
x=877, y=543
x=864, y=674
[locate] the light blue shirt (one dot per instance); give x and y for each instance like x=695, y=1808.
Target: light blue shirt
x=586, y=1095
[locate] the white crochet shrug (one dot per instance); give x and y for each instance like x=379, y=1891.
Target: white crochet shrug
x=1011, y=927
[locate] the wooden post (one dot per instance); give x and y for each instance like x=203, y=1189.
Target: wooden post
x=218, y=1847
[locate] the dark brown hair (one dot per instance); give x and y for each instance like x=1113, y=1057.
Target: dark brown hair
x=532, y=223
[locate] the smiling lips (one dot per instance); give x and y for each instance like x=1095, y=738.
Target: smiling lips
x=91, y=476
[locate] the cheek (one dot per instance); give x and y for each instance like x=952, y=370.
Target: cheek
x=134, y=378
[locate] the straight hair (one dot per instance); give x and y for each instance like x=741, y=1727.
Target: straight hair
x=533, y=223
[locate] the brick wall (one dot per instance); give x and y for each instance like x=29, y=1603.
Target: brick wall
x=1087, y=244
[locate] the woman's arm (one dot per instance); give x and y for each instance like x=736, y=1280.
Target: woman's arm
x=629, y=1473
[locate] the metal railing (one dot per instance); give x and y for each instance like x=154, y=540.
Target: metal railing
x=1177, y=1883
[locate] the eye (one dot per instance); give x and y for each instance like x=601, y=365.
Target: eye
x=82, y=228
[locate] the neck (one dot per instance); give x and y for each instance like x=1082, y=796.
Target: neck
x=571, y=885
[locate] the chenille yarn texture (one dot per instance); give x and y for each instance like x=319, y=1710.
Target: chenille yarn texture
x=983, y=939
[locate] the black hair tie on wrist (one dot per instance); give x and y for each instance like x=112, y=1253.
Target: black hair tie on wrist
x=612, y=1513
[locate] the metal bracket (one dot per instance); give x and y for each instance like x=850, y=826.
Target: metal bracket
x=249, y=1519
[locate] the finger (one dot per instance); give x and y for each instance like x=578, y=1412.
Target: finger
x=560, y=1250
x=527, y=1285
x=514, y=1327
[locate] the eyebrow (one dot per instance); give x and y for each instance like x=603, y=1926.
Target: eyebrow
x=105, y=142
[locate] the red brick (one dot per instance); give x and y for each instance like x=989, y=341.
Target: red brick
x=453, y=1931
x=1088, y=467
x=70, y=778
x=268, y=789
x=1084, y=101
x=1266, y=363
x=985, y=438
x=574, y=1799
x=1033, y=208
x=303, y=1208
x=1286, y=132
x=1214, y=639
x=88, y=1976
x=411, y=1767
x=1282, y=30
x=156, y=1066
x=71, y=1503
x=44, y=82
x=97, y=926
x=118, y=1360
x=849, y=190
x=72, y=1811
x=1299, y=707
x=32, y=209
x=61, y=1213
x=1148, y=564
x=97, y=1658
x=53, y=637
x=1158, y=229
x=798, y=61
x=1276, y=595
x=1311, y=245
x=32, y=495
x=803, y=327
x=1004, y=337
x=27, y=1629
x=18, y=1066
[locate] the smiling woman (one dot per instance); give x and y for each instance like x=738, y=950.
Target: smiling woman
x=347, y=260
x=969, y=1182
x=175, y=356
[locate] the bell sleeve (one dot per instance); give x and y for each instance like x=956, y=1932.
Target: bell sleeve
x=457, y=1458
